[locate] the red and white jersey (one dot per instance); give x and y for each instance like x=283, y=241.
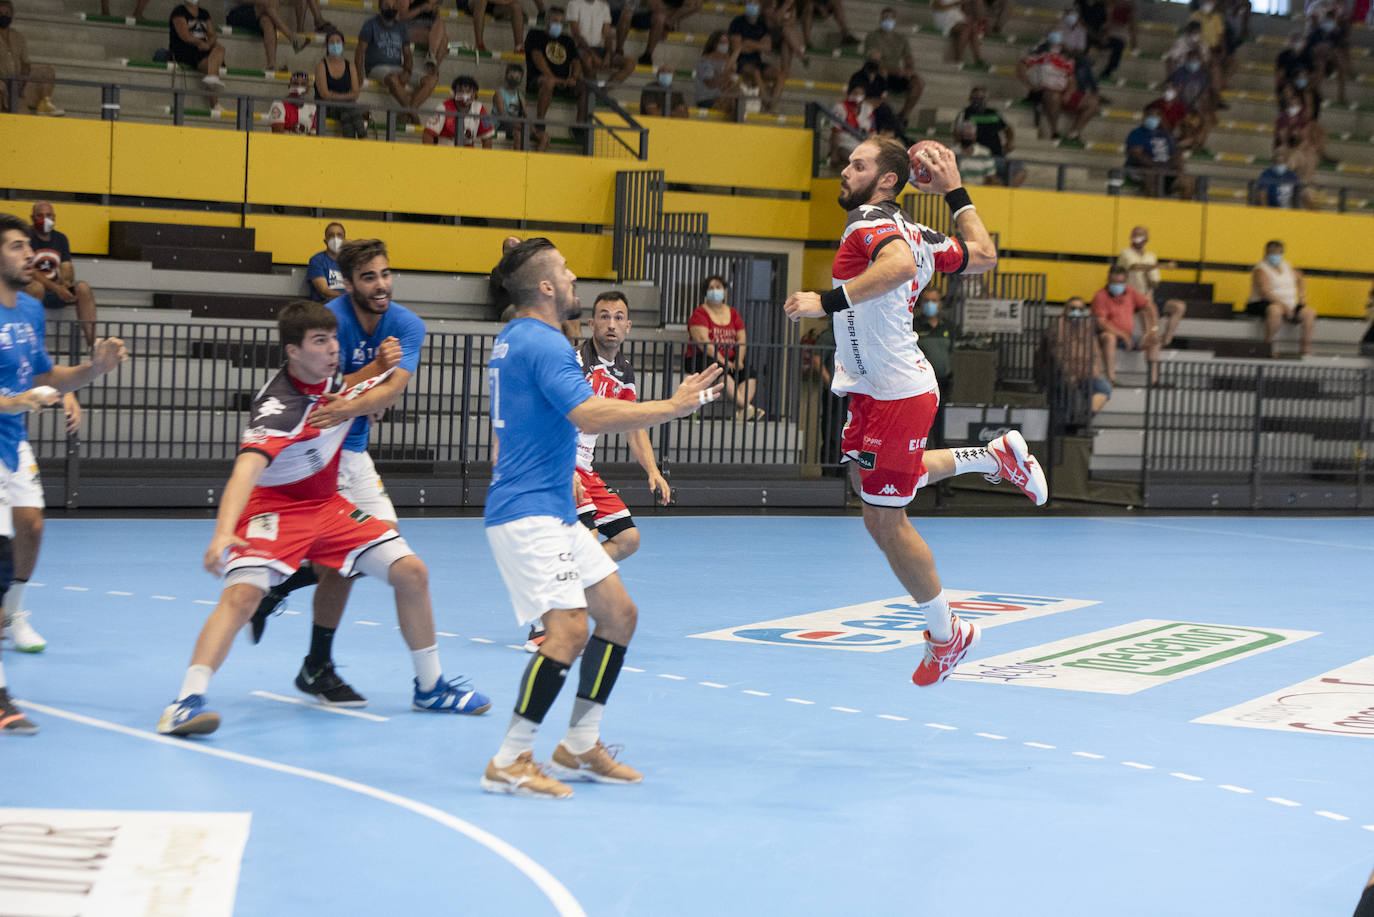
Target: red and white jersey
x=876, y=350
x=1049, y=70
x=295, y=117
x=462, y=128
x=609, y=379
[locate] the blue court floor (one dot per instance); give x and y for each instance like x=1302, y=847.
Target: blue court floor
x=1165, y=716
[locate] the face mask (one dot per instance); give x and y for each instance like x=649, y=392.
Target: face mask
x=978, y=104
x=1078, y=312
x=888, y=25
x=1328, y=26
x=1194, y=66
x=5, y=21
x=1293, y=110
x=333, y=243
x=1280, y=168
x=1055, y=38
x=751, y=10
x=857, y=98
x=1116, y=289
x=1300, y=82
x=930, y=308
x=1071, y=19
x=1275, y=260
x=555, y=29
x=389, y=15
x=335, y=49
x=1152, y=122
x=722, y=47
x=513, y=80
x=1207, y=8
x=1138, y=241
x=463, y=98
x=665, y=79
x=1170, y=95
x=715, y=295
x=48, y=223
x=296, y=92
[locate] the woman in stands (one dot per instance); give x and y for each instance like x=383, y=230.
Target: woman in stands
x=717, y=334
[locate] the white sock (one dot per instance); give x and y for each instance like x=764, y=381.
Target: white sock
x=427, y=667
x=975, y=459
x=584, y=729
x=3, y=683
x=197, y=681
x=939, y=621
x=14, y=598
x=519, y=739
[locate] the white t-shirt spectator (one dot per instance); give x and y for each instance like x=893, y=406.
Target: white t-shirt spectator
x=976, y=163
x=591, y=16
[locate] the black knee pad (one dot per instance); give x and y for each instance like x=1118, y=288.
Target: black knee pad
x=6, y=564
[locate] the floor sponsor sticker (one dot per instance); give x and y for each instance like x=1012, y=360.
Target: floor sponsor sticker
x=890, y=624
x=101, y=864
x=1128, y=658
x=1341, y=703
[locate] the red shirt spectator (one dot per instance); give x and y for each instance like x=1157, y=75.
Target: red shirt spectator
x=1118, y=311
x=726, y=334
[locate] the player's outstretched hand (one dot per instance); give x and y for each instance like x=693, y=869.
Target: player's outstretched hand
x=107, y=354
x=803, y=304
x=35, y=399
x=696, y=390
x=938, y=160
x=389, y=353
x=332, y=410
x=214, y=555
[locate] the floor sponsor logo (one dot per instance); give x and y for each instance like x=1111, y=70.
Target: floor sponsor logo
x=71, y=861
x=1341, y=702
x=1128, y=658
x=889, y=624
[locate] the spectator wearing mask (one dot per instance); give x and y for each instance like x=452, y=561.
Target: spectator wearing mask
x=1049, y=74
x=716, y=333
x=1293, y=130
x=264, y=18
x=1329, y=44
x=1117, y=308
x=1142, y=275
x=1078, y=383
x=994, y=133
x=1305, y=90
x=322, y=274
x=1190, y=39
x=1295, y=56
x=383, y=54
x=336, y=80
x=658, y=99
x=974, y=161
x=1074, y=37
x=749, y=41
x=294, y=115
x=1193, y=83
x=35, y=80
x=1153, y=159
x=717, y=78
x=856, y=113
x=193, y=42
x=595, y=36
x=508, y=105
x=54, y=276
x=892, y=52
x=1279, y=186
x=885, y=120
x=1278, y=291
x=1212, y=28
x=462, y=120
x=553, y=70
x=948, y=17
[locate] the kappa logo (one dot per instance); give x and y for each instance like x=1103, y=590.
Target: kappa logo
x=271, y=407
x=889, y=490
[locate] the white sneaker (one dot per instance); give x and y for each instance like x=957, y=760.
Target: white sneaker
x=212, y=81
x=21, y=632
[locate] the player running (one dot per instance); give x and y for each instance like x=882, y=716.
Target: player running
x=884, y=260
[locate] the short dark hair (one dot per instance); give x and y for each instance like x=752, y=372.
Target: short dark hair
x=892, y=157
x=331, y=32
x=10, y=222
x=706, y=284
x=1116, y=269
x=857, y=81
x=329, y=226
x=1272, y=243
x=521, y=280
x=515, y=65
x=357, y=252
x=610, y=296
x=464, y=80
x=301, y=316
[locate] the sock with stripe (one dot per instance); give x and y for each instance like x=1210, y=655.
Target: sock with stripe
x=539, y=688
x=601, y=662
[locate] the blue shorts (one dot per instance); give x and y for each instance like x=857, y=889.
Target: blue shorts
x=1102, y=387
x=52, y=301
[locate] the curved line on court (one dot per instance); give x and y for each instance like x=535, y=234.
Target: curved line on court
x=559, y=896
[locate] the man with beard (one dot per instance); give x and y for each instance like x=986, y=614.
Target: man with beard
x=883, y=262
x=552, y=566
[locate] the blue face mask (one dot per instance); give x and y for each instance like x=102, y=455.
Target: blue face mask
x=665, y=79
x=335, y=49
x=1300, y=82
x=1116, y=289
x=1077, y=312
x=1280, y=168
x=555, y=29
x=1275, y=259
x=1152, y=122
x=1194, y=66
x=751, y=10
x=930, y=308
x=1055, y=38
x=715, y=295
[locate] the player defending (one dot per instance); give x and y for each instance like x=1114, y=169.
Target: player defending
x=552, y=566
x=883, y=261
x=611, y=376
x=282, y=506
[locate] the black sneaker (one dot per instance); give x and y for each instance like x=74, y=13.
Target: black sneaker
x=269, y=604
x=13, y=722
x=325, y=685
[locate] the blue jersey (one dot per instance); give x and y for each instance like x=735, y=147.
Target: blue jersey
x=535, y=381
x=22, y=356
x=357, y=348
x=322, y=264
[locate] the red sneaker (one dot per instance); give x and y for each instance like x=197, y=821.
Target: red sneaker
x=941, y=657
x=1016, y=464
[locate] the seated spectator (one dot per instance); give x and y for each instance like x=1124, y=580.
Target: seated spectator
x=1237, y=13
x=553, y=70
x=322, y=274
x=1142, y=275
x=1278, y=291
x=975, y=161
x=658, y=99
x=781, y=18
x=293, y=115
x=1279, y=185
x=54, y=276
x=35, y=80
x=336, y=80
x=717, y=77
x=993, y=132
x=1097, y=19
x=1293, y=130
x=508, y=105
x=749, y=41
x=194, y=42
x=1306, y=91
x=383, y=54
x=1190, y=39
x=462, y=119
x=1295, y=56
x=962, y=32
x=1077, y=383
x=856, y=113
x=1197, y=92
x=1154, y=161
x=263, y=17
x=892, y=52
x=427, y=28
x=1116, y=308
x=512, y=8
x=665, y=16
x=594, y=35
x=1212, y=34
x=1074, y=37
x=813, y=9
x=1329, y=45
x=885, y=120
x=1048, y=72
x=717, y=335
x=1121, y=20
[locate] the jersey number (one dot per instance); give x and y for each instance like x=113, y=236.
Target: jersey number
x=494, y=380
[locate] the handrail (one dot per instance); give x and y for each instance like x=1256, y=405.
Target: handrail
x=598, y=93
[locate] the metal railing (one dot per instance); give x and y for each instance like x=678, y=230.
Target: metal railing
x=667, y=249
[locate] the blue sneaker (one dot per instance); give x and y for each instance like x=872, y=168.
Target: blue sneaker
x=187, y=717
x=450, y=697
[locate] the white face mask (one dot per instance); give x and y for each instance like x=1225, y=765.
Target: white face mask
x=1138, y=241
x=1170, y=95
x=1071, y=19
x=48, y=224
x=1293, y=110
x=715, y=295
x=722, y=47
x=333, y=243
x=555, y=29
x=888, y=25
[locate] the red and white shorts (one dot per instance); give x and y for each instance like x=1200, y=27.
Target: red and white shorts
x=887, y=440
x=601, y=510
x=332, y=533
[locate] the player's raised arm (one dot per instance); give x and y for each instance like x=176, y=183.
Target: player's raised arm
x=938, y=162
x=610, y=415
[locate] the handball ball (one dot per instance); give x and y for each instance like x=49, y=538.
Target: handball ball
x=919, y=173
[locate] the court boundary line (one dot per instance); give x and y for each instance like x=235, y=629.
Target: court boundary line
x=1140, y=523
x=323, y=708
x=557, y=893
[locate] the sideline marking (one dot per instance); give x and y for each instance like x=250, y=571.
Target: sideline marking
x=110, y=591
x=1214, y=533
x=942, y=726
x=342, y=711
x=1037, y=745
x=1233, y=789
x=1279, y=800
x=846, y=709
x=798, y=700
x=559, y=896
x=1138, y=766
x=165, y=598
x=1331, y=815
x=81, y=589
x=756, y=693
x=1185, y=776
x=712, y=684
x=989, y=735
x=888, y=716
x=1088, y=754
x=673, y=677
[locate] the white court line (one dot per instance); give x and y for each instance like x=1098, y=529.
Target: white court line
x=989, y=735
x=1368, y=827
x=1189, y=528
x=1234, y=789
x=888, y=716
x=165, y=598
x=798, y=700
x=1037, y=745
x=1185, y=776
x=846, y=709
x=1088, y=754
x=203, y=602
x=1331, y=815
x=1279, y=800
x=289, y=612
x=1138, y=766
x=443, y=633
x=624, y=668
x=558, y=895
x=942, y=726
x=480, y=640
x=711, y=684
x=110, y=592
x=342, y=711
x=672, y=677
x=77, y=588
x=369, y=623
x=757, y=693
x=521, y=646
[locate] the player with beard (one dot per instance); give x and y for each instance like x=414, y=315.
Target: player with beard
x=552, y=566
x=883, y=262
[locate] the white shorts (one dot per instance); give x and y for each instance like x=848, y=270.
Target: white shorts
x=946, y=20
x=547, y=564
x=360, y=485
x=6, y=517
x=25, y=487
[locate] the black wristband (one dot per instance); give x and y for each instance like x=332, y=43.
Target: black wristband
x=958, y=199
x=835, y=300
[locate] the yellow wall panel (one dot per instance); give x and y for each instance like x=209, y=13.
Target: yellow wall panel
x=1175, y=227
x=1327, y=241
x=55, y=154
x=1062, y=278
x=732, y=155
x=159, y=160
x=1051, y=221
x=760, y=217
x=816, y=264
x=87, y=226
x=825, y=217
x=574, y=189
